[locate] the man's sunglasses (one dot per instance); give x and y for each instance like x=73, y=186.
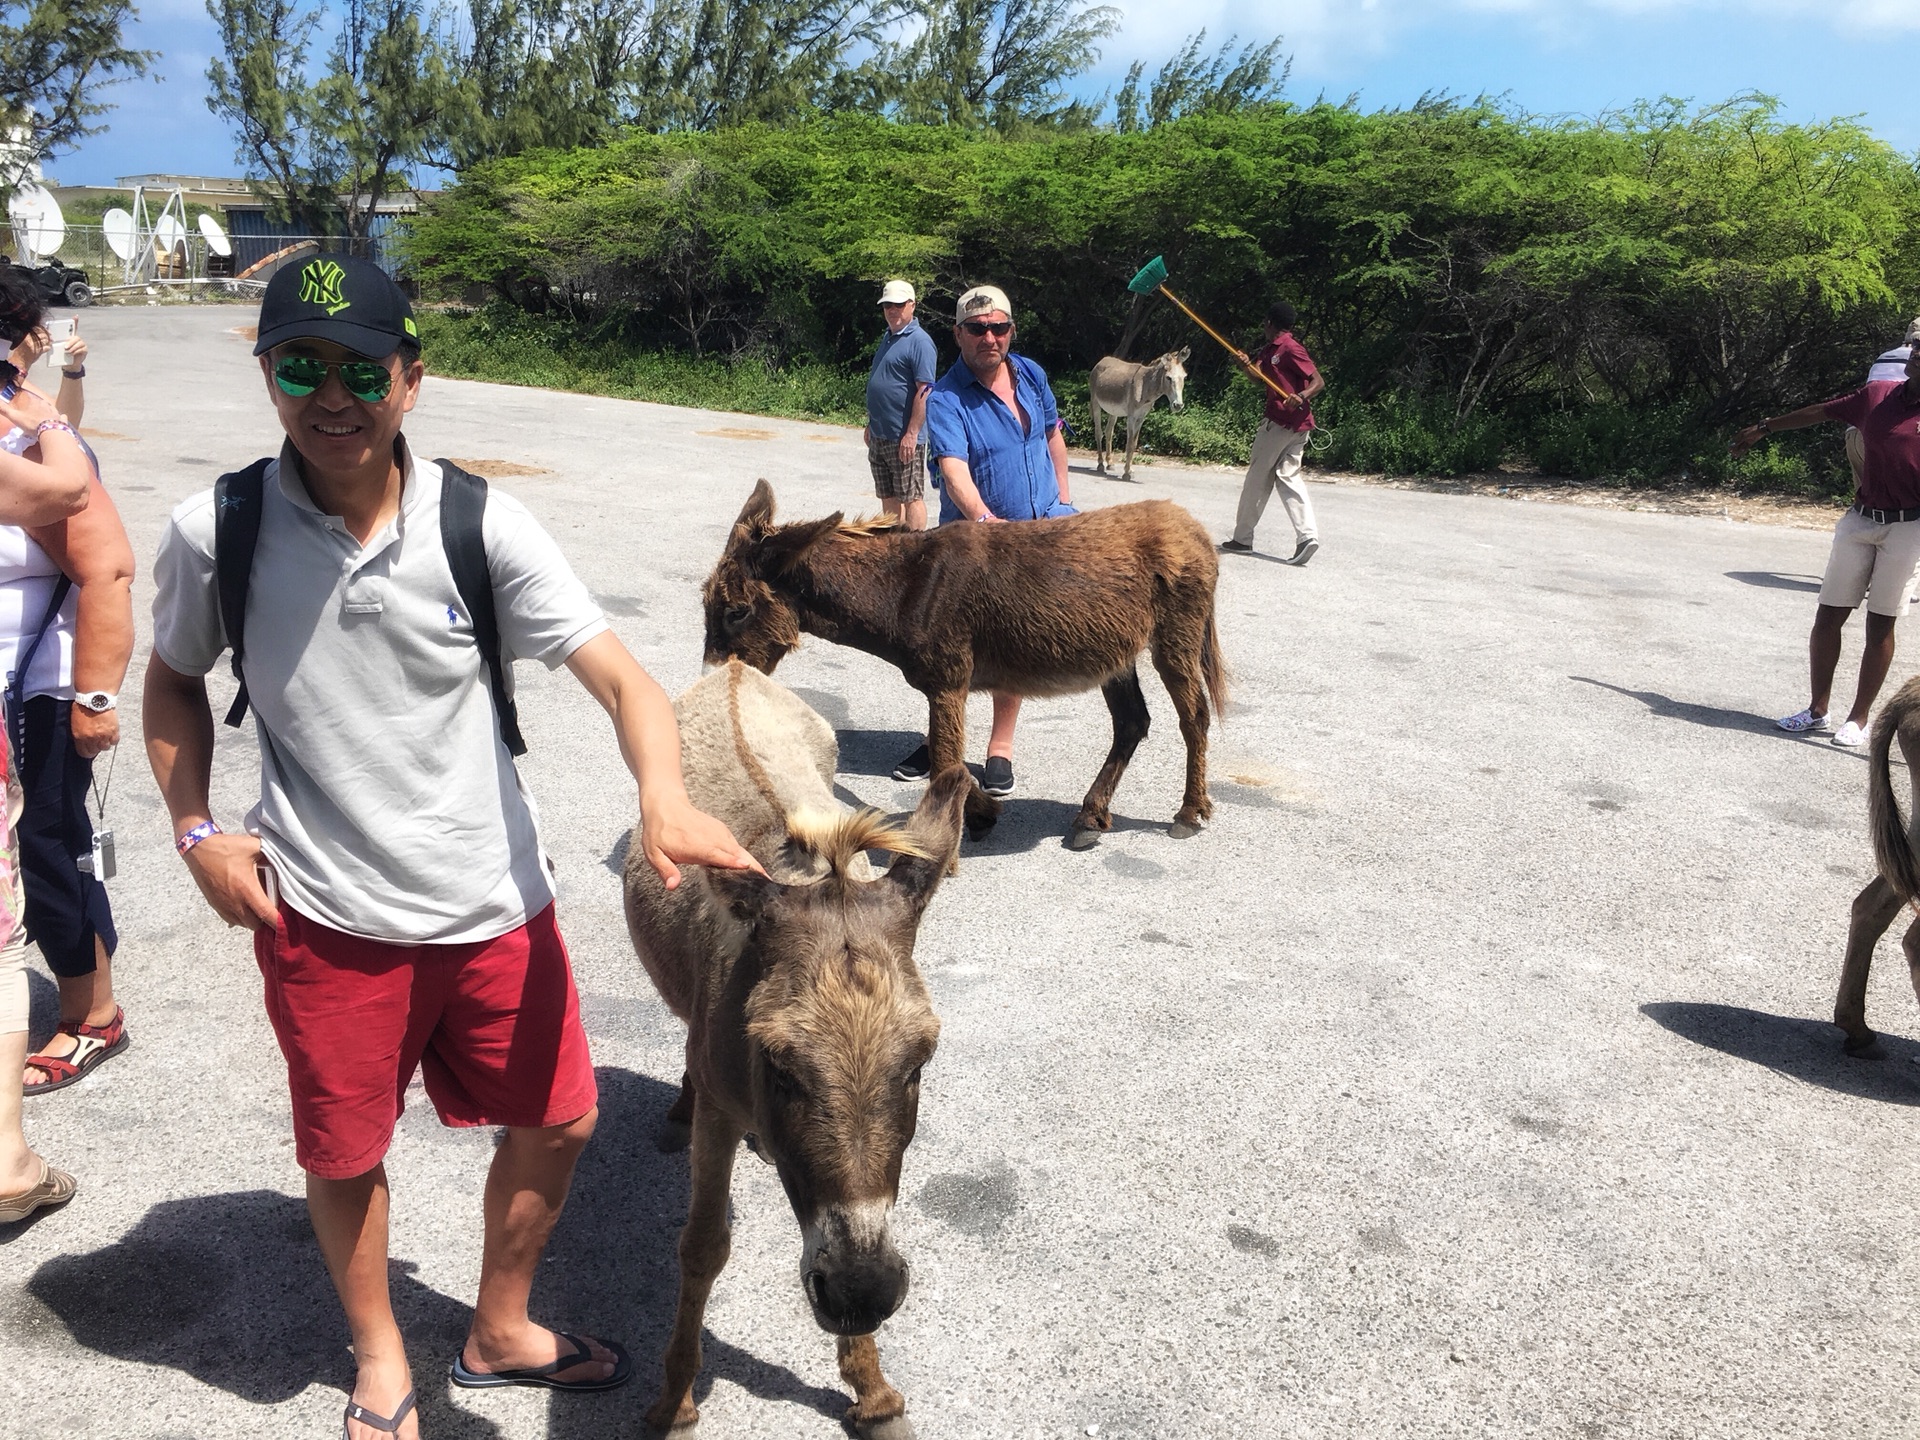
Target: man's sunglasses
x=299, y=375
x=995, y=328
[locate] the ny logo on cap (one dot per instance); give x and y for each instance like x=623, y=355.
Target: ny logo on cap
x=320, y=285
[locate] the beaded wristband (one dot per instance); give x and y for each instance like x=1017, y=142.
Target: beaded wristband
x=206, y=829
x=45, y=425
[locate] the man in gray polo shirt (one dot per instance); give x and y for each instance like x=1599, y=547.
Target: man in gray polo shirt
x=903, y=372
x=392, y=872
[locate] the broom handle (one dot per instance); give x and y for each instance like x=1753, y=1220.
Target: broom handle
x=1271, y=383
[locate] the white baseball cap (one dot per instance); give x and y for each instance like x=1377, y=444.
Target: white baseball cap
x=897, y=292
x=981, y=299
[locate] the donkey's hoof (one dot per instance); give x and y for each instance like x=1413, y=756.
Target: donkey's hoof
x=1184, y=829
x=672, y=1137
x=1082, y=837
x=1864, y=1047
x=896, y=1427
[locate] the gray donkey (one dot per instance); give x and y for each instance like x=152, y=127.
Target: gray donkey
x=1120, y=387
x=807, y=1023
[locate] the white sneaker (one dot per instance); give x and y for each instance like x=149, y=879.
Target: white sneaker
x=1806, y=723
x=1850, y=735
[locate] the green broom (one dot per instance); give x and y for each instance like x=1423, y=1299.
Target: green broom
x=1153, y=276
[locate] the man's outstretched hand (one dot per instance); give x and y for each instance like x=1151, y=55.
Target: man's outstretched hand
x=671, y=831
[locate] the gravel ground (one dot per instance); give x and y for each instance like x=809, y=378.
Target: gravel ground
x=1467, y=1077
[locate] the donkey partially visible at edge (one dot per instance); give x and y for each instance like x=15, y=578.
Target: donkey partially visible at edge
x=1033, y=607
x=1898, y=882
x=1120, y=387
x=807, y=1021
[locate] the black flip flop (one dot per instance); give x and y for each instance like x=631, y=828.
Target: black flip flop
x=389, y=1423
x=542, y=1375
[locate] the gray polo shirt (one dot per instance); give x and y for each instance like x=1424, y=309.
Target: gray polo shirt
x=901, y=365
x=389, y=807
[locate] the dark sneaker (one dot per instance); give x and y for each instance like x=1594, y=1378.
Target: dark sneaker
x=1304, y=553
x=1236, y=547
x=916, y=766
x=996, y=777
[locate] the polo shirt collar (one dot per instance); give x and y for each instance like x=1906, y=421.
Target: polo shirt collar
x=905, y=330
x=294, y=486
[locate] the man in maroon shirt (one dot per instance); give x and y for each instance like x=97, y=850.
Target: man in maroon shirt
x=1282, y=440
x=1876, y=545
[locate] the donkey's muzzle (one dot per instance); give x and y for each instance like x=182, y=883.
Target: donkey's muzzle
x=855, y=1295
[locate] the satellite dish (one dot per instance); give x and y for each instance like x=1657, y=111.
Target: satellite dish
x=169, y=234
x=215, y=237
x=37, y=219
x=117, y=225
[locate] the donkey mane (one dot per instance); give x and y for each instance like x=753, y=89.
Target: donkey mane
x=869, y=525
x=840, y=839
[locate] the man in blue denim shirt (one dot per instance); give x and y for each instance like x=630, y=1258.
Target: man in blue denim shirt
x=993, y=430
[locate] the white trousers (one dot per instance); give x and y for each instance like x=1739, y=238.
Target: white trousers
x=1275, y=465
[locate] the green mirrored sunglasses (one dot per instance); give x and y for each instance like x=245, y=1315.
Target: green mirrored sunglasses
x=299, y=375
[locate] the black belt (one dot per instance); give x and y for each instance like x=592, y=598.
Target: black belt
x=1888, y=517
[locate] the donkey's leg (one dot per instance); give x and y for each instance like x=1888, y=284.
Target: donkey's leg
x=1099, y=435
x=879, y=1411
x=677, y=1129
x=704, y=1246
x=1177, y=652
x=1873, y=911
x=947, y=745
x=1134, y=417
x=1130, y=720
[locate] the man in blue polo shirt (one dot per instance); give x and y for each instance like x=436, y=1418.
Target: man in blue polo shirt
x=993, y=429
x=897, y=386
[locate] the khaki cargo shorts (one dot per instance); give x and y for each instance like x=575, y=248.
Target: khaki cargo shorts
x=1872, y=562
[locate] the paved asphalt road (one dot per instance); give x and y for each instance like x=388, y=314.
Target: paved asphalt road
x=1468, y=1077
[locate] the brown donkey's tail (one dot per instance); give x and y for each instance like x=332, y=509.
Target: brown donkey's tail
x=1892, y=844
x=1213, y=669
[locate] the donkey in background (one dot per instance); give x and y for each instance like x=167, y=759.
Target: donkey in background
x=1037, y=607
x=807, y=1021
x=1120, y=387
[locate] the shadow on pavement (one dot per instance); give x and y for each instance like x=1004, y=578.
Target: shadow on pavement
x=1774, y=580
x=1667, y=708
x=611, y=1270
x=230, y=1289
x=1027, y=824
x=1804, y=1050
x=876, y=752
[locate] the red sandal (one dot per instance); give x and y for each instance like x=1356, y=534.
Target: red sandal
x=96, y=1044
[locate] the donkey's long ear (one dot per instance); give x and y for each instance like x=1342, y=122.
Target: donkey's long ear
x=745, y=893
x=757, y=513
x=782, y=548
x=1185, y=351
x=936, y=825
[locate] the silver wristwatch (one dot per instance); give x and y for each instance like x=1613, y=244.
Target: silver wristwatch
x=98, y=701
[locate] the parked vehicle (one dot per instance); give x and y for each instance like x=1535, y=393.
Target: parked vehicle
x=59, y=281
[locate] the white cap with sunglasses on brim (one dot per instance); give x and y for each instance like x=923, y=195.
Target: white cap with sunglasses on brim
x=897, y=292
x=982, y=300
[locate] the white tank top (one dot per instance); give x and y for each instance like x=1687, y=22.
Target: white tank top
x=27, y=578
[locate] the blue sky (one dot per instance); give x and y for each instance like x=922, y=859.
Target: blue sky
x=1820, y=57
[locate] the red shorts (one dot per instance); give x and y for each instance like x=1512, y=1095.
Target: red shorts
x=494, y=1024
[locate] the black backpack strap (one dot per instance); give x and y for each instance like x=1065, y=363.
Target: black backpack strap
x=463, y=508
x=237, y=500
x=17, y=681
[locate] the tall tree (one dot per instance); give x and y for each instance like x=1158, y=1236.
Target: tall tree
x=997, y=62
x=55, y=58
x=1193, y=83
x=330, y=150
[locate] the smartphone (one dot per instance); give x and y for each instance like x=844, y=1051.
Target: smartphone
x=59, y=332
x=264, y=873
x=9, y=379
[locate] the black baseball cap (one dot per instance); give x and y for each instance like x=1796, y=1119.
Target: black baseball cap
x=341, y=298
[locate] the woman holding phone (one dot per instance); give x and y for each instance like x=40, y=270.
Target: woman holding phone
x=43, y=481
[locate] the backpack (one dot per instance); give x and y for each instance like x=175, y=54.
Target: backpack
x=463, y=504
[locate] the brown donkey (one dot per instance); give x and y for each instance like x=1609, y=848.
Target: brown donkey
x=1898, y=882
x=1041, y=607
x=807, y=1022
